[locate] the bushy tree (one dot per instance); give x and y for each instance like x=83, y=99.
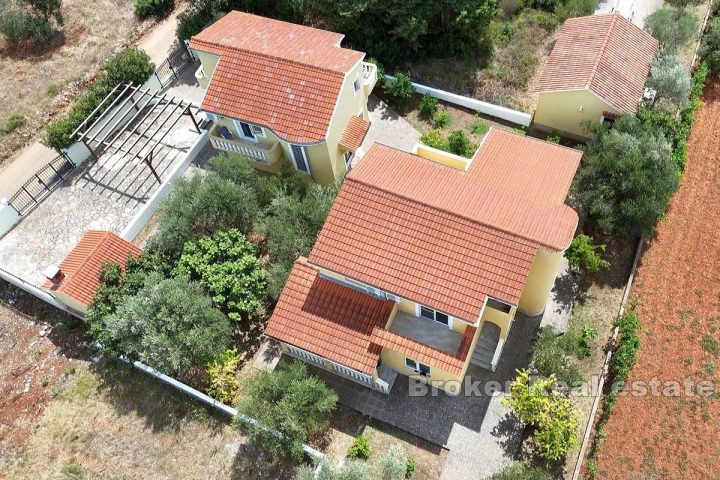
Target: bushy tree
x=20, y=25
x=585, y=255
x=47, y=9
x=537, y=403
x=349, y=470
x=238, y=171
x=710, y=51
x=671, y=27
x=228, y=267
x=170, y=324
x=399, y=89
x=627, y=177
x=670, y=79
x=287, y=400
x=393, y=464
x=223, y=381
x=158, y=8
x=428, y=106
x=199, y=207
x=683, y=4
x=460, y=144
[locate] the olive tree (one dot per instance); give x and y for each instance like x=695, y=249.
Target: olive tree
x=710, y=51
x=671, y=27
x=670, y=79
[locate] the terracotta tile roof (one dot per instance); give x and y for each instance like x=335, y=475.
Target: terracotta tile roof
x=80, y=270
x=447, y=238
x=605, y=54
x=328, y=319
x=276, y=74
x=354, y=133
x=418, y=351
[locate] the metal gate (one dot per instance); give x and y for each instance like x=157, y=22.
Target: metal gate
x=41, y=184
x=174, y=66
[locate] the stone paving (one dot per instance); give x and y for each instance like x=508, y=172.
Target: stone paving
x=104, y=194
x=388, y=128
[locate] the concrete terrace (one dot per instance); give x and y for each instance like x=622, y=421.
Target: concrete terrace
x=102, y=194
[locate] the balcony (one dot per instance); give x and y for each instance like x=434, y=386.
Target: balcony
x=369, y=77
x=256, y=152
x=427, y=332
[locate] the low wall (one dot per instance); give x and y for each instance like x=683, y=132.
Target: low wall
x=503, y=113
x=9, y=217
x=37, y=292
x=143, y=216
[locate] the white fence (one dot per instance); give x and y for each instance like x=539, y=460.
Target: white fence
x=141, y=218
x=503, y=113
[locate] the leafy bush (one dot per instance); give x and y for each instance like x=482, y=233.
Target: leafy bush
x=584, y=255
x=550, y=357
x=360, y=448
x=14, y=121
x=238, y=171
x=410, y=467
x=158, y=8
x=538, y=404
x=553, y=139
x=198, y=208
x=349, y=470
x=682, y=4
x=130, y=65
x=380, y=71
x=428, y=106
x=288, y=400
x=460, y=144
x=228, y=267
x=441, y=119
x=400, y=89
x=222, y=376
x=434, y=139
x=479, y=128
x=18, y=26
x=628, y=344
x=394, y=464
x=670, y=79
x=46, y=9
x=627, y=177
x=170, y=325
x=672, y=28
x=710, y=51
x=522, y=471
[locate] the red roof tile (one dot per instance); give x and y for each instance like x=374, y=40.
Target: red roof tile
x=605, y=54
x=327, y=319
x=276, y=74
x=447, y=238
x=81, y=268
x=354, y=133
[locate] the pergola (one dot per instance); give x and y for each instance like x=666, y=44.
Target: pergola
x=102, y=131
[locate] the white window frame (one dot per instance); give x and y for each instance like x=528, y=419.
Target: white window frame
x=358, y=83
x=418, y=314
x=257, y=130
x=414, y=365
x=305, y=157
x=241, y=134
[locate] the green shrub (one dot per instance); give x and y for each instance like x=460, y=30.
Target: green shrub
x=578, y=341
x=394, y=464
x=428, y=106
x=287, y=400
x=521, y=471
x=671, y=27
x=157, y=8
x=479, y=128
x=441, y=119
x=710, y=51
x=46, y=9
x=410, y=467
x=223, y=382
x=192, y=21
x=550, y=356
x=18, y=26
x=14, y=121
x=434, y=139
x=710, y=345
x=238, y=171
x=553, y=139
x=400, y=89
x=460, y=144
x=130, y=65
x=538, y=404
x=228, y=267
x=360, y=448
x=628, y=344
x=584, y=255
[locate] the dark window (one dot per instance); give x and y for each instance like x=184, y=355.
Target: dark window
x=498, y=305
x=427, y=313
x=442, y=318
x=246, y=130
x=423, y=369
x=299, y=157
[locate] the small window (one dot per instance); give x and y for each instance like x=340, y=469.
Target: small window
x=246, y=131
x=498, y=305
x=442, y=318
x=418, y=367
x=411, y=364
x=435, y=315
x=256, y=130
x=300, y=158
x=356, y=84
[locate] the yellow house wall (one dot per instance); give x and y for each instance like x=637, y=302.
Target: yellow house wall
x=541, y=278
x=269, y=140
x=561, y=110
x=502, y=320
x=70, y=302
x=441, y=157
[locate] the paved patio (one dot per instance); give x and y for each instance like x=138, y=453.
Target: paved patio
x=388, y=128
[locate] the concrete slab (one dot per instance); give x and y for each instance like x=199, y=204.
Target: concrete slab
x=559, y=307
x=388, y=128
x=641, y=8
x=427, y=331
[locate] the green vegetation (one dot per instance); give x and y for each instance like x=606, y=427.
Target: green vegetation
x=157, y=8
x=428, y=107
x=521, y=471
x=711, y=345
x=585, y=256
x=671, y=27
x=457, y=142
x=288, y=400
x=682, y=4
x=393, y=465
x=399, y=89
x=359, y=449
x=627, y=178
x=14, y=121
x=551, y=357
x=139, y=327
x=228, y=267
x=479, y=128
x=670, y=79
x=441, y=119
x=20, y=25
x=130, y=65
x=540, y=405
x=222, y=376
x=710, y=51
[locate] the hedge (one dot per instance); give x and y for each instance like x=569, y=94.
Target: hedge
x=130, y=65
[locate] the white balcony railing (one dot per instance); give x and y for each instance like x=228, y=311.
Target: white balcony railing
x=253, y=151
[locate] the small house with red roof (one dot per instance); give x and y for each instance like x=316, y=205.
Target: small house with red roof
x=280, y=92
x=596, y=72
x=426, y=257
x=77, y=278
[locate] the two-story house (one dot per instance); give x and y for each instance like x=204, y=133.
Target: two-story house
x=425, y=258
x=280, y=92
